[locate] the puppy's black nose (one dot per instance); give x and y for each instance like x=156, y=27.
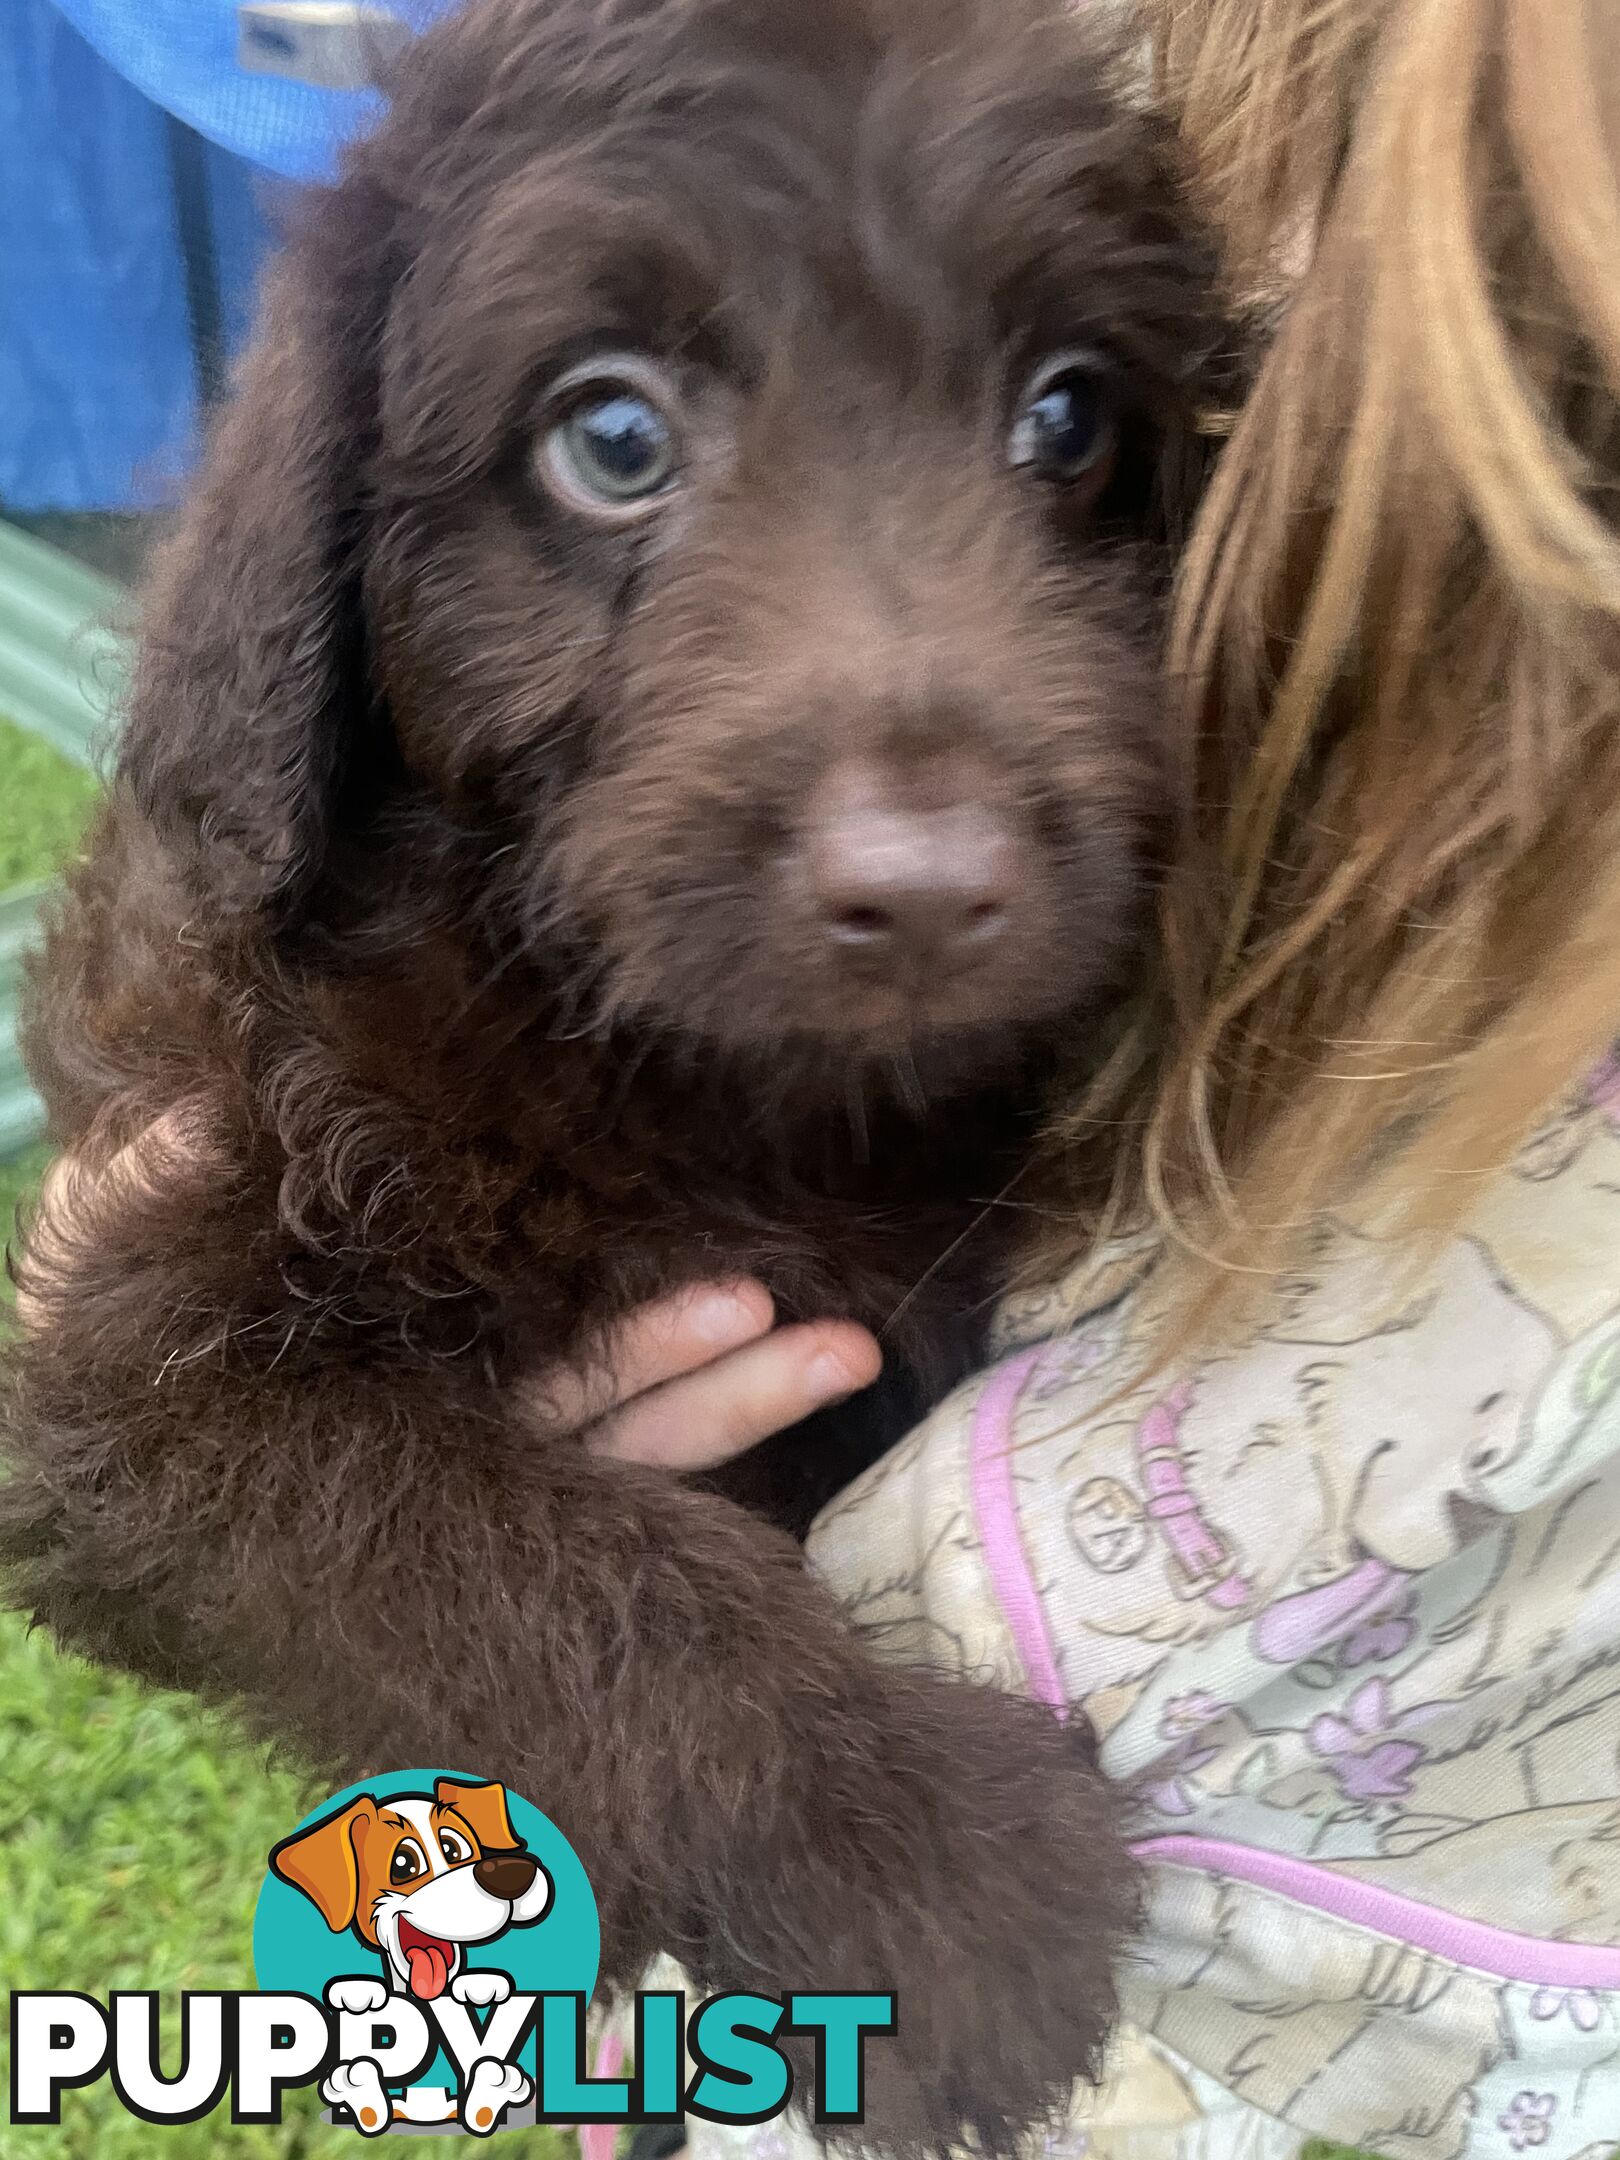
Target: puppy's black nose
x=900, y=887
x=504, y=1875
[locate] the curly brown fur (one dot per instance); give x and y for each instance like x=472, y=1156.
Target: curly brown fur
x=452, y=872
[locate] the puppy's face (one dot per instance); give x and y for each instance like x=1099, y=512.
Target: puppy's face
x=767, y=407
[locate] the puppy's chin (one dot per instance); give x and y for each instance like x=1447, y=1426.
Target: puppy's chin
x=819, y=1037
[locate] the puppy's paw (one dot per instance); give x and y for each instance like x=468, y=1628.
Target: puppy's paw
x=970, y=1862
x=358, y=1997
x=358, y=2087
x=491, y=2090
x=480, y=1989
x=1004, y=1939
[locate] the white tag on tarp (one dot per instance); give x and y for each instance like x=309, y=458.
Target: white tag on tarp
x=334, y=44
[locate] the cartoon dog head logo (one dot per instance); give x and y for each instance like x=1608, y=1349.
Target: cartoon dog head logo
x=417, y=1877
x=425, y=1912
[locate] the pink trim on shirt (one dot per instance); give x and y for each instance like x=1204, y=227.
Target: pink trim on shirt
x=1505, y=1956
x=995, y=1502
x=598, y=2141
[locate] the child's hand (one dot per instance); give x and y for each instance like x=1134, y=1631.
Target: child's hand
x=684, y=1384
x=699, y=1377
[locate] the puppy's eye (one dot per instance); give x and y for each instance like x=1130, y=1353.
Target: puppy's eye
x=454, y=1847
x=619, y=447
x=1063, y=430
x=408, y=1863
x=616, y=449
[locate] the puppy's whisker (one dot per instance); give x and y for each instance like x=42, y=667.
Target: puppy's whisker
x=855, y=1108
x=944, y=1259
x=908, y=1082
x=628, y=1073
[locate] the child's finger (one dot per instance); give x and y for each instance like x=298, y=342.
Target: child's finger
x=733, y=1403
x=673, y=1336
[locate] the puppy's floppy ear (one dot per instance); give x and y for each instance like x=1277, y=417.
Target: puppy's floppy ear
x=249, y=683
x=483, y=1808
x=323, y=1861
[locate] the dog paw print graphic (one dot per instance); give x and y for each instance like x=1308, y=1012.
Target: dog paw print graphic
x=426, y=1911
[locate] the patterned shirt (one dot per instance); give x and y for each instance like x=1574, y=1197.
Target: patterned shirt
x=1343, y=1603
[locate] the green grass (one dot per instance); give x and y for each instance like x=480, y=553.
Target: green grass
x=132, y=1850
x=44, y=801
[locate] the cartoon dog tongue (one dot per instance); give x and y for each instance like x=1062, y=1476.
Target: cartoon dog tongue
x=429, y=1963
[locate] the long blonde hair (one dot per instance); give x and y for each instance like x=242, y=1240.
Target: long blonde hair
x=1393, y=934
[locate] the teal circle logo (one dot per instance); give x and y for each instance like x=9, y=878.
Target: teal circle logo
x=432, y=1888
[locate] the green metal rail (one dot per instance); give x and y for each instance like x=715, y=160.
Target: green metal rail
x=61, y=666
x=61, y=672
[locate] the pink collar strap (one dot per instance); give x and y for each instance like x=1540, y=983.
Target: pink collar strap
x=1199, y=1553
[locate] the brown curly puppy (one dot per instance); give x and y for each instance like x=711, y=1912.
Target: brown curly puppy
x=646, y=730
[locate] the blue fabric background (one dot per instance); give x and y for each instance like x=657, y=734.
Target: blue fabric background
x=98, y=395
x=182, y=55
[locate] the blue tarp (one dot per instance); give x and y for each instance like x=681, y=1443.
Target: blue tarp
x=97, y=374
x=98, y=371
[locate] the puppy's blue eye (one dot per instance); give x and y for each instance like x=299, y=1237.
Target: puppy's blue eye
x=615, y=450
x=1063, y=431
x=622, y=447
